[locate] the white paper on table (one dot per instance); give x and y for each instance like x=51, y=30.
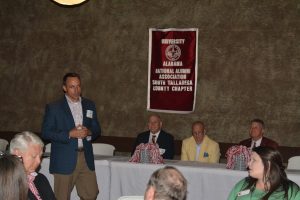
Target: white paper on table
x=162, y=151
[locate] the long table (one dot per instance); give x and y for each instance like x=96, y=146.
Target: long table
x=205, y=181
x=102, y=168
x=117, y=177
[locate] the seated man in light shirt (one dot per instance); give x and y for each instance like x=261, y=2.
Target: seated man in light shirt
x=199, y=147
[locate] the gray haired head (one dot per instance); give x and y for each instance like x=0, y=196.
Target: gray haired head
x=168, y=184
x=22, y=140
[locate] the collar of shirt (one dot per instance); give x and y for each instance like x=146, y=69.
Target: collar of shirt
x=76, y=110
x=31, y=176
x=151, y=134
x=257, y=142
x=72, y=102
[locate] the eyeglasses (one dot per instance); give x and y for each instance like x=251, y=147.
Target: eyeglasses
x=198, y=133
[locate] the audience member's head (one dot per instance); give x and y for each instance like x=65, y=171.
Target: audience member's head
x=29, y=147
x=198, y=131
x=154, y=123
x=256, y=129
x=266, y=166
x=13, y=179
x=166, y=184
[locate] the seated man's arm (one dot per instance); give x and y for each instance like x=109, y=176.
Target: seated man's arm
x=184, y=151
x=215, y=153
x=246, y=142
x=169, y=154
x=274, y=145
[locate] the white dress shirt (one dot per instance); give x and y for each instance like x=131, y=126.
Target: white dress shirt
x=257, y=143
x=76, y=110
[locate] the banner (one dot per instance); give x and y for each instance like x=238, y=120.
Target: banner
x=172, y=70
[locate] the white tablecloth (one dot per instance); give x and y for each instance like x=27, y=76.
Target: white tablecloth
x=205, y=181
x=102, y=172
x=117, y=177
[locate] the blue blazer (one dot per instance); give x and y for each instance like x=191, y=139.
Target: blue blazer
x=165, y=141
x=58, y=121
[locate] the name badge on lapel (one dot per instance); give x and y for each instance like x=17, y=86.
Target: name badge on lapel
x=244, y=192
x=89, y=114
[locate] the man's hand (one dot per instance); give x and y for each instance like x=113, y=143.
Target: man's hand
x=79, y=132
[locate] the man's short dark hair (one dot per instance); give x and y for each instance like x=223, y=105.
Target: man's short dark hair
x=70, y=74
x=169, y=184
x=258, y=121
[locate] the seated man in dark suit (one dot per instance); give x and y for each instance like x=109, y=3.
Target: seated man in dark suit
x=156, y=135
x=257, y=136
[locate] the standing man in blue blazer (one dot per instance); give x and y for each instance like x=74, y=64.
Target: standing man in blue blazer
x=156, y=135
x=70, y=124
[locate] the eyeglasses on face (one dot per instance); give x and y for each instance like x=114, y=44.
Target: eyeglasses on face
x=198, y=133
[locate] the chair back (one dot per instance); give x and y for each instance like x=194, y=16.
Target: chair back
x=48, y=148
x=294, y=163
x=131, y=198
x=3, y=144
x=103, y=149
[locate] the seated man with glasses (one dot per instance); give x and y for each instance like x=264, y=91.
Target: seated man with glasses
x=29, y=148
x=199, y=147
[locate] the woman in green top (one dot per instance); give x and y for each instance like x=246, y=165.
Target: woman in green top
x=267, y=179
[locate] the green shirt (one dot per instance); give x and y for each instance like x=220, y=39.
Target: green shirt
x=240, y=193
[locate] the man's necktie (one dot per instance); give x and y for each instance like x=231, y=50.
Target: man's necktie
x=153, y=139
x=254, y=144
